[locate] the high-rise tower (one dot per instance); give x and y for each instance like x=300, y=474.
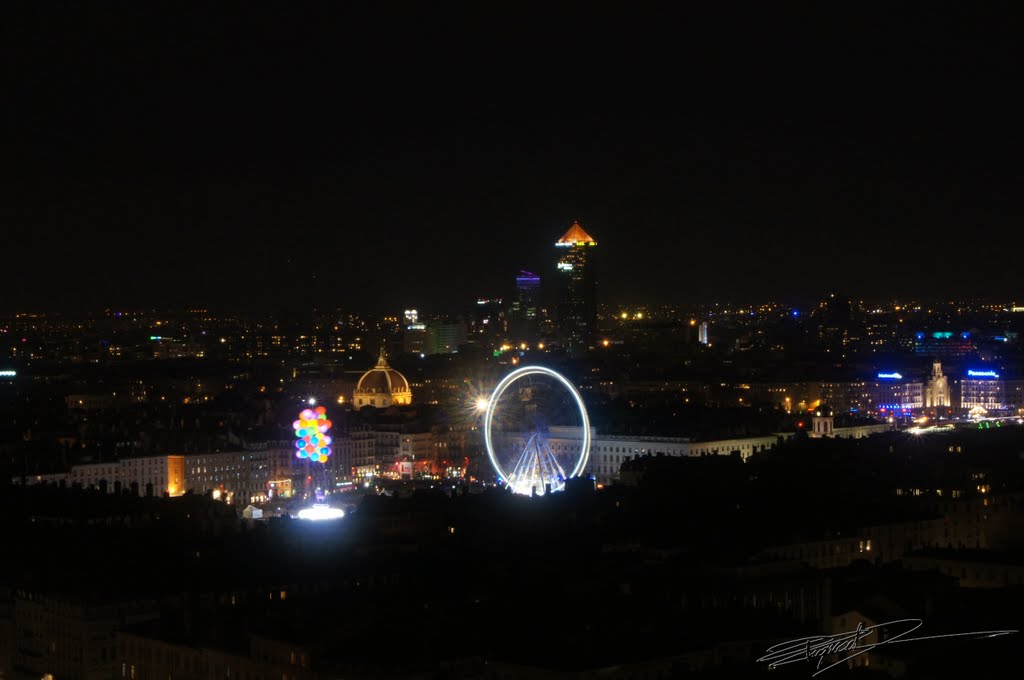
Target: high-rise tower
x=523, y=322
x=577, y=308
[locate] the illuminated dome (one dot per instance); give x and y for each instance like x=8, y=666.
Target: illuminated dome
x=381, y=386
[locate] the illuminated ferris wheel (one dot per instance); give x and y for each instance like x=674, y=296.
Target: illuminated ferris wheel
x=536, y=431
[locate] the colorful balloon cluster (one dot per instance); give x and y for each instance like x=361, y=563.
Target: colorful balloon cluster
x=311, y=430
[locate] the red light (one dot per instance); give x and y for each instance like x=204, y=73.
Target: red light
x=800, y=424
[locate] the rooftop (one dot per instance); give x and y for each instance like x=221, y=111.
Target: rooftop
x=576, y=235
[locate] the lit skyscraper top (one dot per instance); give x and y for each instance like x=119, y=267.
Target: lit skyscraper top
x=576, y=236
x=527, y=281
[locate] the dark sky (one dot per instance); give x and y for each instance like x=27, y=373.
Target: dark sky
x=421, y=153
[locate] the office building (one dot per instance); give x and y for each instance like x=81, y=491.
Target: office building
x=577, y=308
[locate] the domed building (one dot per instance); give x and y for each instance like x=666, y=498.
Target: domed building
x=381, y=387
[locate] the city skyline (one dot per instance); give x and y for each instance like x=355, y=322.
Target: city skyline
x=519, y=339
x=182, y=160
x=802, y=304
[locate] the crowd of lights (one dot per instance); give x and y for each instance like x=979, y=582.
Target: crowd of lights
x=312, y=440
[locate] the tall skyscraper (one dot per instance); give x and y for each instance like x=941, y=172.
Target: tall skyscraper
x=577, y=309
x=523, y=325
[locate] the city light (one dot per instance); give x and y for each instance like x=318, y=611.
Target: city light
x=8, y=374
x=321, y=512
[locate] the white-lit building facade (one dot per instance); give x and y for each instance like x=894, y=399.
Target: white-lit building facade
x=243, y=476
x=982, y=392
x=147, y=475
x=608, y=452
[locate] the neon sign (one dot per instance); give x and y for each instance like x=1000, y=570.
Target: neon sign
x=890, y=376
x=982, y=374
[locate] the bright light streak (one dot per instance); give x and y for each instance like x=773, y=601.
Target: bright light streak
x=321, y=512
x=581, y=464
x=482, y=403
x=311, y=401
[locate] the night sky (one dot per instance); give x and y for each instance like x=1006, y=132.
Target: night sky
x=421, y=154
